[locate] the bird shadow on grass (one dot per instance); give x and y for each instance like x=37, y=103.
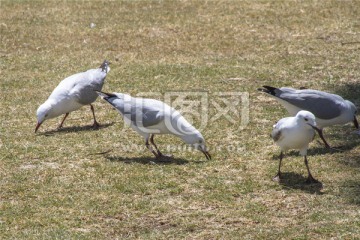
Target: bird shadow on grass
x=297, y=181
x=311, y=152
x=319, y=150
x=350, y=191
x=350, y=91
x=148, y=160
x=350, y=161
x=76, y=129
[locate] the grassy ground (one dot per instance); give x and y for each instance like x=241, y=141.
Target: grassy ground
x=57, y=185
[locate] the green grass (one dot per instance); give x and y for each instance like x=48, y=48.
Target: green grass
x=57, y=185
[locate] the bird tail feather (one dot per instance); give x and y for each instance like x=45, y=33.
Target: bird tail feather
x=105, y=95
x=105, y=66
x=268, y=90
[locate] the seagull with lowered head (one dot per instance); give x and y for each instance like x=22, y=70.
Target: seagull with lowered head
x=72, y=93
x=149, y=117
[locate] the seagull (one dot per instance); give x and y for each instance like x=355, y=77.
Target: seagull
x=329, y=109
x=149, y=117
x=295, y=133
x=72, y=93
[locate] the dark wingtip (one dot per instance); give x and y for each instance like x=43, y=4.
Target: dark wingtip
x=267, y=89
x=262, y=90
x=105, y=95
x=106, y=62
x=104, y=65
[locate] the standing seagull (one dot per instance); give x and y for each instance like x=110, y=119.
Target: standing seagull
x=149, y=117
x=72, y=93
x=295, y=133
x=329, y=109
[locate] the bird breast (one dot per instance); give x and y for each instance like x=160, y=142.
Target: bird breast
x=295, y=138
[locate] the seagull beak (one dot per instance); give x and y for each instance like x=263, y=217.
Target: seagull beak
x=356, y=124
x=315, y=128
x=206, y=153
x=37, y=126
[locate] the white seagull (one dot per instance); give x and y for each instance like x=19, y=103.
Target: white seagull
x=72, y=93
x=149, y=117
x=329, y=109
x=295, y=133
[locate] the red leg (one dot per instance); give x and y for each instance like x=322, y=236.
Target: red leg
x=158, y=151
x=322, y=137
x=277, y=178
x=152, y=142
x=60, y=126
x=310, y=178
x=96, y=124
x=150, y=148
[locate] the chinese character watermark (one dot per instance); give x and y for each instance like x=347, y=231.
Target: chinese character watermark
x=194, y=106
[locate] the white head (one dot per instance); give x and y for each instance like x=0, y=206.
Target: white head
x=306, y=118
x=43, y=113
x=352, y=113
x=197, y=141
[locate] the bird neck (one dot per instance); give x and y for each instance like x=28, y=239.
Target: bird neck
x=48, y=104
x=188, y=138
x=182, y=128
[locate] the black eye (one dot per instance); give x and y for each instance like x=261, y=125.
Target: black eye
x=306, y=119
x=200, y=141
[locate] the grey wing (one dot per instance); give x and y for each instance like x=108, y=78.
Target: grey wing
x=149, y=117
x=148, y=112
x=84, y=85
x=276, y=134
x=87, y=95
x=322, y=106
x=140, y=114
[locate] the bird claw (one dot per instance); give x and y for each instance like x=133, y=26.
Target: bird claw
x=96, y=125
x=336, y=149
x=277, y=178
x=164, y=157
